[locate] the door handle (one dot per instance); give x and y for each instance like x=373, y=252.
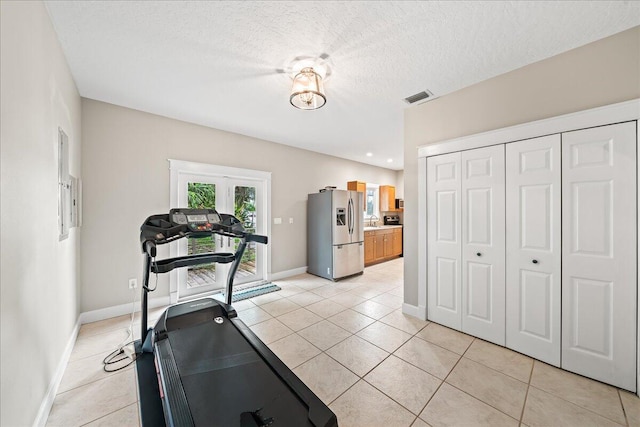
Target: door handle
x=229, y=241
x=535, y=261
x=349, y=216
x=479, y=254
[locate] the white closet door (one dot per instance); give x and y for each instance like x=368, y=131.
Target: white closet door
x=443, y=237
x=534, y=247
x=483, y=228
x=599, y=253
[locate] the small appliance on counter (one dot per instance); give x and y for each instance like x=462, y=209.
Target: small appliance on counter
x=391, y=220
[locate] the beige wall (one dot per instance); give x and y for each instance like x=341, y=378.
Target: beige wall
x=126, y=179
x=597, y=74
x=38, y=280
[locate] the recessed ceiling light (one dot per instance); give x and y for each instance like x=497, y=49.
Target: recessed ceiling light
x=389, y=160
x=369, y=154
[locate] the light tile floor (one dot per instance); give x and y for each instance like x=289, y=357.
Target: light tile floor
x=374, y=366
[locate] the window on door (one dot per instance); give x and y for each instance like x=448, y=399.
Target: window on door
x=195, y=185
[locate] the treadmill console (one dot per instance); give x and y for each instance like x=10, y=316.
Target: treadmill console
x=195, y=219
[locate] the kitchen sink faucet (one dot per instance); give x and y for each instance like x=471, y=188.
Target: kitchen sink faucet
x=371, y=220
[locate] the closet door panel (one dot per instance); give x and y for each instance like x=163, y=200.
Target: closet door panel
x=534, y=247
x=599, y=253
x=443, y=240
x=483, y=216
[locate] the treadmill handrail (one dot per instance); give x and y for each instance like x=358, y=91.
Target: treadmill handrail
x=169, y=264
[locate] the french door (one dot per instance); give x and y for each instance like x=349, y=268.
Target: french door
x=240, y=197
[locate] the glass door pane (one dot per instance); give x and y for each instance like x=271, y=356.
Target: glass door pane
x=201, y=192
x=201, y=195
x=239, y=197
x=244, y=206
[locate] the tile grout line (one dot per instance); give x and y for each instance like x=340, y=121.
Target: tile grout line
x=112, y=412
x=578, y=406
x=470, y=395
x=624, y=412
x=526, y=395
x=92, y=382
x=394, y=400
x=443, y=380
x=564, y=399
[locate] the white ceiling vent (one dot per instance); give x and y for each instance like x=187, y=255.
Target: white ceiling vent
x=419, y=97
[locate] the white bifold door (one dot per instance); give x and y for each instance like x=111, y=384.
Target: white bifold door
x=599, y=282
x=483, y=286
x=534, y=247
x=444, y=245
x=465, y=224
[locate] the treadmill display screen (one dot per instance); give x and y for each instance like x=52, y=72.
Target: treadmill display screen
x=197, y=218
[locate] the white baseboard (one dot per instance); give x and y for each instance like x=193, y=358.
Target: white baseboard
x=288, y=273
x=119, y=310
x=415, y=310
x=49, y=397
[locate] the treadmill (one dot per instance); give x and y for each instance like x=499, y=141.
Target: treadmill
x=200, y=365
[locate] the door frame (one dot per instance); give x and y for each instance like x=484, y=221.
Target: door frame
x=262, y=178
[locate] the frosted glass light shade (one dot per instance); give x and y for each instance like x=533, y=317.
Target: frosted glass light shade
x=307, y=92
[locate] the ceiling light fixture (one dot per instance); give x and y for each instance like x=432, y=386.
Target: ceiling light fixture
x=369, y=154
x=307, y=92
x=389, y=160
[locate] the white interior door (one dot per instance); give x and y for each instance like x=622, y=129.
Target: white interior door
x=533, y=247
x=483, y=243
x=444, y=240
x=599, y=282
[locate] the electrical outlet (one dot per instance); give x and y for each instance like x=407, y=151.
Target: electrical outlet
x=133, y=283
x=290, y=220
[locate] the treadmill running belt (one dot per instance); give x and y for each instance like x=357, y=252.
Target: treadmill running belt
x=223, y=377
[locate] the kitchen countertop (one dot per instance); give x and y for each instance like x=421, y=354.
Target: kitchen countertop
x=381, y=227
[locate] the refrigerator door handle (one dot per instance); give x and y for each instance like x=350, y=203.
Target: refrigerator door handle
x=349, y=216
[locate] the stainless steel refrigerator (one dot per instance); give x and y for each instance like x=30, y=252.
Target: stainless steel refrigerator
x=335, y=234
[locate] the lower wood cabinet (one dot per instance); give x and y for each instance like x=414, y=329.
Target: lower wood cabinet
x=382, y=245
x=369, y=243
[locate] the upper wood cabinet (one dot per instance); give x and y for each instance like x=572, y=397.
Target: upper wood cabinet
x=361, y=187
x=387, y=198
x=357, y=186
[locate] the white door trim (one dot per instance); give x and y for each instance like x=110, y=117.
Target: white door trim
x=609, y=114
x=182, y=167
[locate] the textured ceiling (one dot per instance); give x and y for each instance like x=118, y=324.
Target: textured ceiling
x=215, y=63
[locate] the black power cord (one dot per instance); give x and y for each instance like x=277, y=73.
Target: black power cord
x=119, y=354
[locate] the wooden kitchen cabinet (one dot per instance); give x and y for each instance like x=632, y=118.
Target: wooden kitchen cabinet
x=357, y=186
x=369, y=243
x=378, y=248
x=361, y=187
x=387, y=198
x=397, y=241
x=382, y=245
